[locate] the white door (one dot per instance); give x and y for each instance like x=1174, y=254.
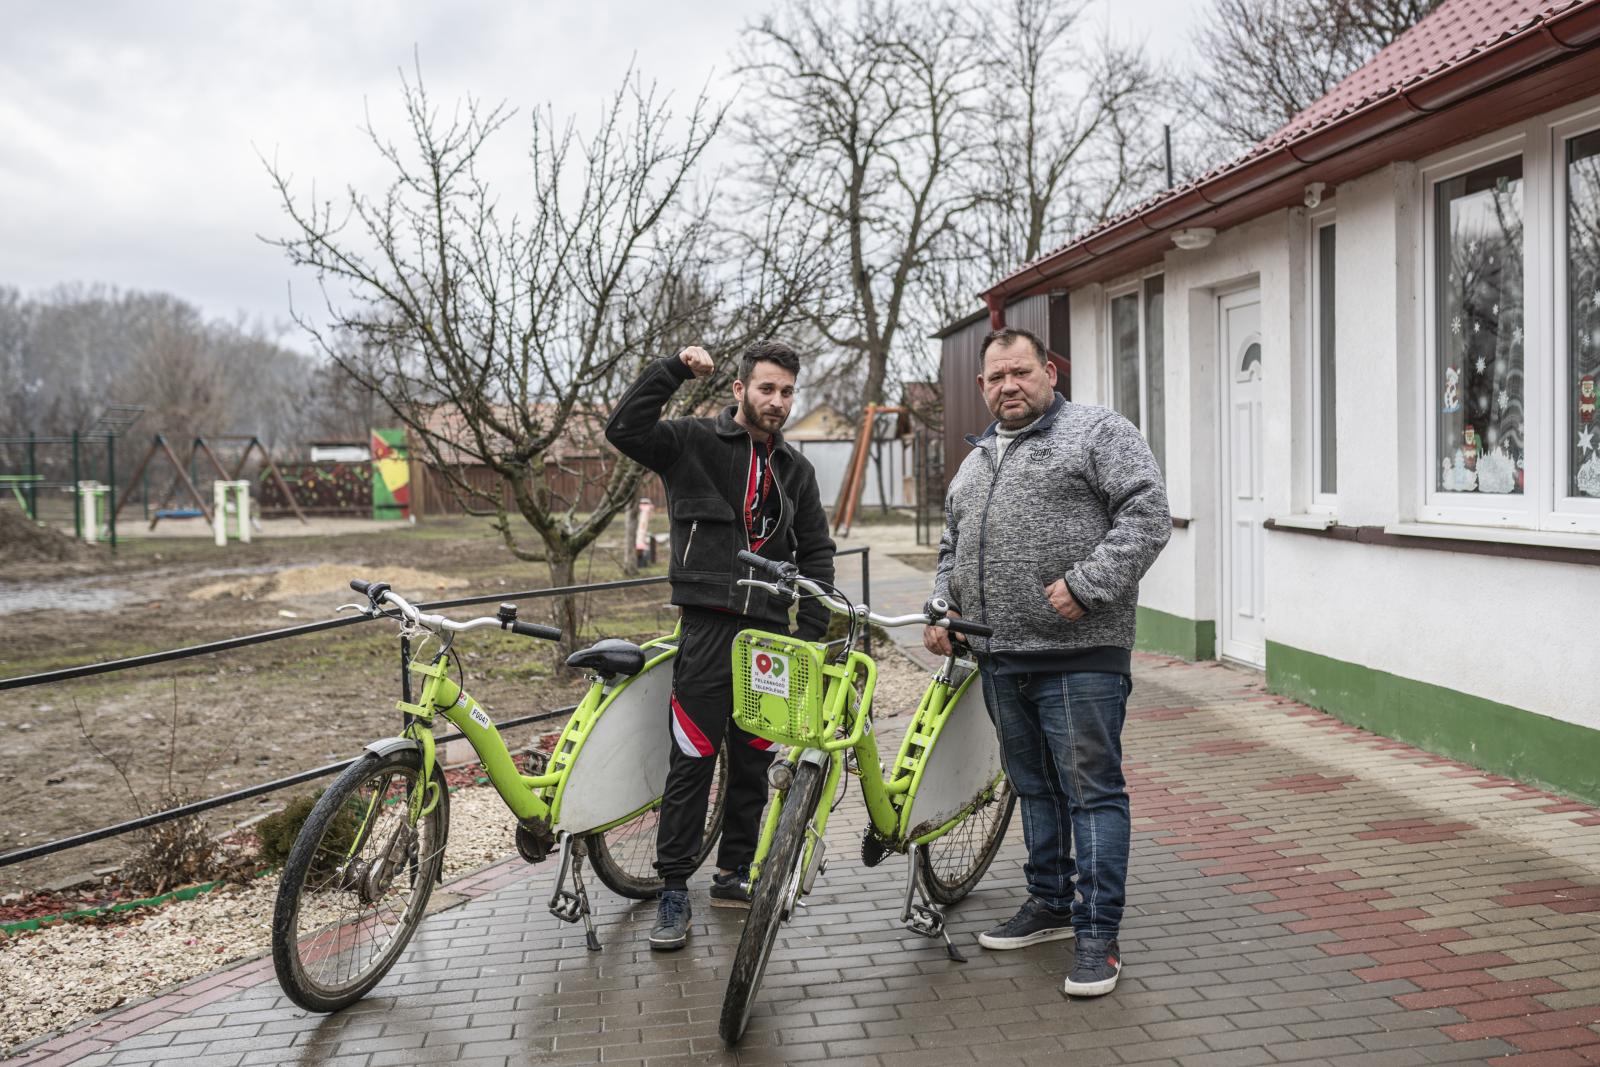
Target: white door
x=1244, y=499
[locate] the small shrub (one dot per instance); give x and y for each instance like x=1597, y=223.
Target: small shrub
x=175, y=853
x=278, y=831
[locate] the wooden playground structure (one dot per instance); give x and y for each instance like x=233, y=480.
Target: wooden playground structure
x=87, y=472
x=181, y=479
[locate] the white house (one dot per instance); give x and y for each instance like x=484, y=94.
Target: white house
x=1366, y=355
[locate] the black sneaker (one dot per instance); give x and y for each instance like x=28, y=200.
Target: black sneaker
x=672, y=921
x=731, y=890
x=1034, y=922
x=1095, y=970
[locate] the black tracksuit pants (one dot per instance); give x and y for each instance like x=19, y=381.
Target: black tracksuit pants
x=701, y=716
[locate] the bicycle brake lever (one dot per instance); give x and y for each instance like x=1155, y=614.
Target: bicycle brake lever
x=365, y=609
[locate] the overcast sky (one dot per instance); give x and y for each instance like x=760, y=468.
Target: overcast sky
x=130, y=132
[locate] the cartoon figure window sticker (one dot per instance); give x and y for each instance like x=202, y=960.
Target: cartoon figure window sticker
x=1479, y=358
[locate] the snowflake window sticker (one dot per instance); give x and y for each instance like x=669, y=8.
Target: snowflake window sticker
x=1455, y=325
x=1479, y=365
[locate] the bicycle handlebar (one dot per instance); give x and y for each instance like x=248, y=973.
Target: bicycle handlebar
x=380, y=592
x=783, y=572
x=790, y=577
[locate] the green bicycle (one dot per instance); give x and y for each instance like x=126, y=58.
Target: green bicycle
x=359, y=874
x=945, y=802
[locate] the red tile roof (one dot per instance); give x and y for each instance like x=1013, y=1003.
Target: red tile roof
x=1456, y=32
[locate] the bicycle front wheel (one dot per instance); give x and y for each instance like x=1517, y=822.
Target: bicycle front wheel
x=357, y=880
x=624, y=856
x=769, y=902
x=953, y=864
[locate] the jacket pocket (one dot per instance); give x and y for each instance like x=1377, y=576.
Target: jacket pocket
x=1014, y=594
x=689, y=514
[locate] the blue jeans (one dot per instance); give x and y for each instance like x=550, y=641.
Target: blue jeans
x=1061, y=743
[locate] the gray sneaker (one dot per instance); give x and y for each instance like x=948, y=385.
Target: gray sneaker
x=1034, y=922
x=1095, y=969
x=672, y=921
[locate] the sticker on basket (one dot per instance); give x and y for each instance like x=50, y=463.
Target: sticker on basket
x=769, y=673
x=480, y=718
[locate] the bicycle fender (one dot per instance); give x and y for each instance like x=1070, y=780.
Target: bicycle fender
x=390, y=744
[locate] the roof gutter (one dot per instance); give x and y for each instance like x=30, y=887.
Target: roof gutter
x=1551, y=38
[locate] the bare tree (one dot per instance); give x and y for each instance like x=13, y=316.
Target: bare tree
x=504, y=335
x=858, y=122
x=1072, y=139
x=1262, y=62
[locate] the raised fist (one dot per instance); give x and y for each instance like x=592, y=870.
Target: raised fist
x=698, y=360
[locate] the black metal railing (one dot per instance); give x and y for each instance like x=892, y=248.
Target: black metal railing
x=248, y=792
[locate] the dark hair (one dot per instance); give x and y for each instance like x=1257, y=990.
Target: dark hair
x=768, y=352
x=1007, y=334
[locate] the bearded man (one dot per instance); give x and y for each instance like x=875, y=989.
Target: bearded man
x=732, y=484
x=1050, y=522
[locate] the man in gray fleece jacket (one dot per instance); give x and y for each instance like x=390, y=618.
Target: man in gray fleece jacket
x=1050, y=522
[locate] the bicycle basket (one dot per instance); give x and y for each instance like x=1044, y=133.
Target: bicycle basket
x=777, y=688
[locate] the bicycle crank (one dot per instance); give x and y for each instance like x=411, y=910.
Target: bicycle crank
x=534, y=840
x=920, y=916
x=571, y=906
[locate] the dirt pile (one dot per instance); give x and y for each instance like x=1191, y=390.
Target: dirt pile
x=24, y=541
x=325, y=581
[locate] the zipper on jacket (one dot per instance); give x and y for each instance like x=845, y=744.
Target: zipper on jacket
x=690, y=543
x=983, y=529
x=744, y=506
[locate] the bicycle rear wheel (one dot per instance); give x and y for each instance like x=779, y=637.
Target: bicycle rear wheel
x=769, y=901
x=624, y=856
x=356, y=882
x=953, y=864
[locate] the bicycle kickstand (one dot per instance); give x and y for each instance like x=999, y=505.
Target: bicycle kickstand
x=569, y=907
x=920, y=916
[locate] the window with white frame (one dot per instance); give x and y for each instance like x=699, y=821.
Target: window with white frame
x=1138, y=368
x=1324, y=373
x=1478, y=257
x=1582, y=268
x=1512, y=330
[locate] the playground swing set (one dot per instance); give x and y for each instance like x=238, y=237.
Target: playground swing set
x=228, y=484
x=97, y=505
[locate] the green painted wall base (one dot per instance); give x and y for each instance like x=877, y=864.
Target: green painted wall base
x=1499, y=738
x=1174, y=635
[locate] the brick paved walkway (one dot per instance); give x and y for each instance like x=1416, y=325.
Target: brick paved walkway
x=1300, y=892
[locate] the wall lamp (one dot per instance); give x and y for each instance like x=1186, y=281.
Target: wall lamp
x=1196, y=237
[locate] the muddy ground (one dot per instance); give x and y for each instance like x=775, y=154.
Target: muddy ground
x=84, y=753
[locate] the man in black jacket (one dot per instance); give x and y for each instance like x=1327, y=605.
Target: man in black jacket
x=731, y=484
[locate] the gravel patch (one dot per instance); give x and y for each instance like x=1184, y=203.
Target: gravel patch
x=55, y=978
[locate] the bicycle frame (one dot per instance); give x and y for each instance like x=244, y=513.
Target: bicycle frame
x=528, y=796
x=888, y=800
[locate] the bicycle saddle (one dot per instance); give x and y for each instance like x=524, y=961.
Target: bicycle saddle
x=609, y=656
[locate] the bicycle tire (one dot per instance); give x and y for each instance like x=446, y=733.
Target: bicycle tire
x=951, y=865
x=323, y=883
x=767, y=901
x=623, y=857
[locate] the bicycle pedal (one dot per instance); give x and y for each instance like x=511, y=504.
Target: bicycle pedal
x=925, y=921
x=568, y=907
